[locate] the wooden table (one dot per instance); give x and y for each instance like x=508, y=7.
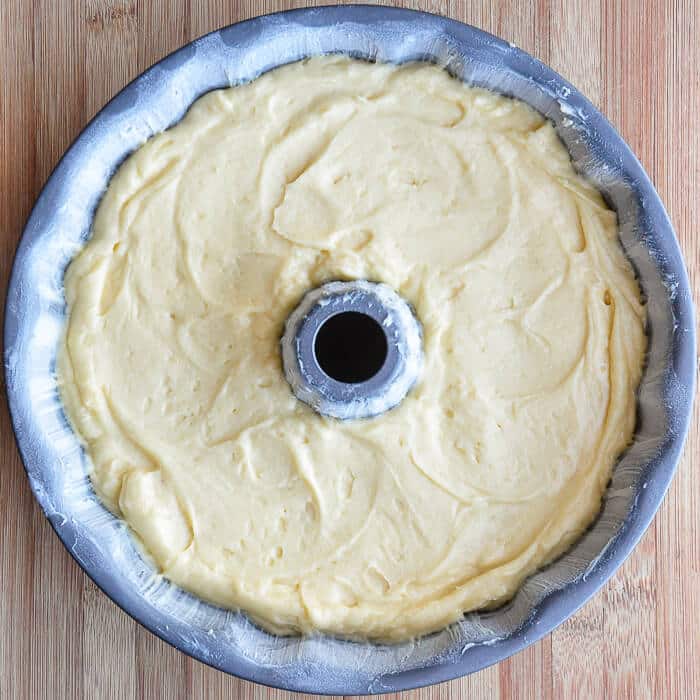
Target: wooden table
x=60, y=637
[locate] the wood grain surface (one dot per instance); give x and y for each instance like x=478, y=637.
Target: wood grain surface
x=61, y=60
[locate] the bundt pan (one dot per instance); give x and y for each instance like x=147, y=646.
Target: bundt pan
x=56, y=466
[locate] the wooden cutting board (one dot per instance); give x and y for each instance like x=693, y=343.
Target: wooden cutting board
x=60, y=61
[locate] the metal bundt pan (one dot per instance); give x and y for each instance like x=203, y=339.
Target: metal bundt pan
x=60, y=224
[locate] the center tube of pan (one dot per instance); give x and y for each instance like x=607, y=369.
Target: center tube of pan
x=352, y=349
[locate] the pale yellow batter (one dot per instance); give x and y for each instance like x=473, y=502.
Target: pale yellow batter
x=466, y=203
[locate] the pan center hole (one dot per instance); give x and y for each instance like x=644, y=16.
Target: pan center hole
x=350, y=347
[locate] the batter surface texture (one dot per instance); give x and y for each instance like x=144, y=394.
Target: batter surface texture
x=463, y=201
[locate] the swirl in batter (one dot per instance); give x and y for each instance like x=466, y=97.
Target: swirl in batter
x=466, y=203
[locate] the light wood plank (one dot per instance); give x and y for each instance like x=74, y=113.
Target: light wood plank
x=161, y=670
x=162, y=28
x=677, y=526
x=17, y=507
x=109, y=640
x=111, y=50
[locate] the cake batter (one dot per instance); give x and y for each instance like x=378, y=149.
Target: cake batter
x=464, y=202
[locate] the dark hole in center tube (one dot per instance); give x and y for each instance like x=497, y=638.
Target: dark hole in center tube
x=350, y=347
